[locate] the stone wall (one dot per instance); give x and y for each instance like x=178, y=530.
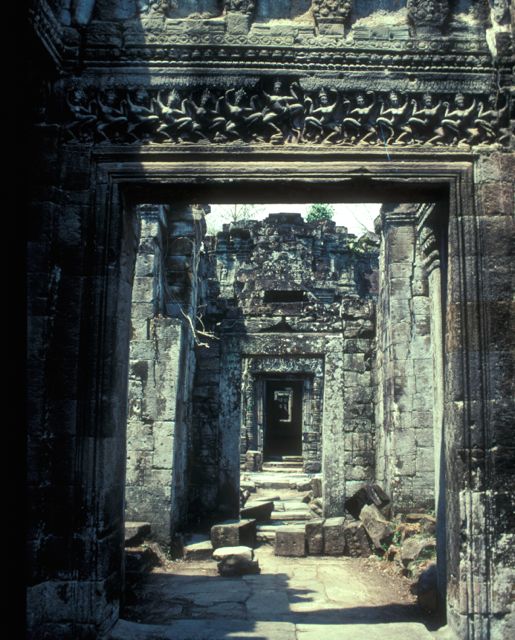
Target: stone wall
x=405, y=399
x=161, y=368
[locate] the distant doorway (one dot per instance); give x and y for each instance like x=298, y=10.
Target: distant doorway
x=283, y=418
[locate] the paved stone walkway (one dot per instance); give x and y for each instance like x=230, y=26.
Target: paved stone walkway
x=292, y=599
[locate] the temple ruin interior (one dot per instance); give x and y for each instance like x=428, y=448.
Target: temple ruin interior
x=282, y=424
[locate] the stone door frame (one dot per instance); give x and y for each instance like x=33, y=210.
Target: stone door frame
x=123, y=176
x=260, y=368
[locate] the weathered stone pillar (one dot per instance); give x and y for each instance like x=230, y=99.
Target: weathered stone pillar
x=432, y=240
x=479, y=410
x=404, y=366
x=333, y=444
x=229, y=425
x=160, y=371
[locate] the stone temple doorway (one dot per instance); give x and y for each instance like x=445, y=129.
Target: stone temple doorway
x=283, y=418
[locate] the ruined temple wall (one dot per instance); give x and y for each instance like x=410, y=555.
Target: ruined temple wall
x=404, y=366
x=480, y=511
x=75, y=459
x=161, y=367
x=79, y=291
x=332, y=331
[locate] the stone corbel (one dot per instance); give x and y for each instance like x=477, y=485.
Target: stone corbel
x=239, y=15
x=428, y=16
x=331, y=16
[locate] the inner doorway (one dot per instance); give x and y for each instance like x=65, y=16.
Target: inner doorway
x=283, y=418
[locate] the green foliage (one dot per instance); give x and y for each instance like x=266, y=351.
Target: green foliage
x=320, y=212
x=397, y=535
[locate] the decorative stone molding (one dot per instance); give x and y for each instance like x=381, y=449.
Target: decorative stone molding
x=156, y=7
x=331, y=15
x=240, y=6
x=239, y=14
x=283, y=114
x=428, y=15
x=429, y=247
x=48, y=29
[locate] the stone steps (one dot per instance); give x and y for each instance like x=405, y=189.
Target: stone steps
x=293, y=481
x=283, y=464
x=290, y=515
x=265, y=532
x=290, y=505
x=297, y=459
x=286, y=488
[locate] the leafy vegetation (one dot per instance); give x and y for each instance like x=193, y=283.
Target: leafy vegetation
x=320, y=212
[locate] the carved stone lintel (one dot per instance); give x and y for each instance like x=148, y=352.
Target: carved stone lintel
x=428, y=15
x=331, y=15
x=283, y=113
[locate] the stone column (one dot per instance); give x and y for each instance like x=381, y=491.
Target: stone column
x=229, y=424
x=160, y=371
x=404, y=366
x=432, y=240
x=480, y=410
x=333, y=444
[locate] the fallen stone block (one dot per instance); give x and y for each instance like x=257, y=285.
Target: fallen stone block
x=334, y=537
x=233, y=533
x=316, y=507
x=253, y=461
x=426, y=522
x=246, y=553
x=315, y=537
x=378, y=528
x=136, y=532
x=198, y=551
x=290, y=541
x=258, y=510
x=316, y=487
x=304, y=486
x=356, y=540
x=140, y=560
x=366, y=495
x=231, y=566
x=248, y=485
x=417, y=548
x=406, y=530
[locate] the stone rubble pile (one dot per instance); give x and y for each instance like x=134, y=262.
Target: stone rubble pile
x=290, y=523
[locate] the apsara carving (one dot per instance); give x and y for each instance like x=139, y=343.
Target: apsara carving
x=283, y=114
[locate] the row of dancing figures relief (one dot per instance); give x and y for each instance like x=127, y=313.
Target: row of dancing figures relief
x=402, y=121
x=278, y=117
